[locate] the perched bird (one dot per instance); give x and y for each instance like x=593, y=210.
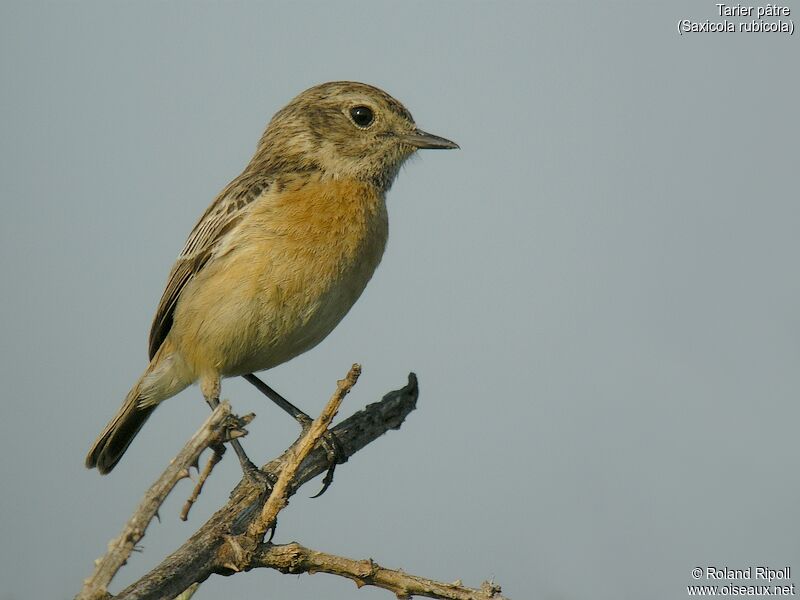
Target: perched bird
x=281, y=254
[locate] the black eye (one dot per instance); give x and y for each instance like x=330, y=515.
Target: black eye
x=362, y=116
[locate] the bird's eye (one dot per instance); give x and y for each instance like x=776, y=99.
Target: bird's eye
x=362, y=116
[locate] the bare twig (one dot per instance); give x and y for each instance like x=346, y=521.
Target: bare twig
x=208, y=551
x=294, y=558
x=119, y=549
x=232, y=540
x=216, y=456
x=297, y=454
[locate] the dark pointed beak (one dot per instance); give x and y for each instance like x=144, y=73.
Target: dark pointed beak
x=423, y=139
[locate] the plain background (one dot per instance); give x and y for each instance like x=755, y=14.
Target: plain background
x=599, y=292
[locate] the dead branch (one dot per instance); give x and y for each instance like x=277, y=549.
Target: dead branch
x=232, y=539
x=297, y=454
x=119, y=549
x=208, y=550
x=294, y=558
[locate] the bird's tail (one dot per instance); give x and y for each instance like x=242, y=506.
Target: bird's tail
x=162, y=379
x=119, y=433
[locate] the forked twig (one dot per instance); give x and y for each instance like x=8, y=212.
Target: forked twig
x=297, y=454
x=119, y=549
x=232, y=540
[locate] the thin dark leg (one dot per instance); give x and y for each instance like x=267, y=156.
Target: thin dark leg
x=333, y=447
x=250, y=470
x=289, y=408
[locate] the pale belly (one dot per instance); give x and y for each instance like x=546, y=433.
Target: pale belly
x=293, y=325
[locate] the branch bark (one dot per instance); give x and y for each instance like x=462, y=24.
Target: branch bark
x=297, y=453
x=221, y=545
x=119, y=549
x=294, y=558
x=232, y=540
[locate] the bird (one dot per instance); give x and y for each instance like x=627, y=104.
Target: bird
x=281, y=254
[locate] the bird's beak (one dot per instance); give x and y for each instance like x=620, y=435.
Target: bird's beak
x=423, y=139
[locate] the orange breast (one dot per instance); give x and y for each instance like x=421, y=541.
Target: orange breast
x=286, y=276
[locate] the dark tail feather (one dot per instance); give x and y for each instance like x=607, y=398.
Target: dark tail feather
x=118, y=434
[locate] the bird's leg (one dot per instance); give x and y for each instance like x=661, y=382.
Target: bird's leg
x=211, y=391
x=298, y=415
x=329, y=441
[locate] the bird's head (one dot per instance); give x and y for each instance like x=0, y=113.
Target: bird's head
x=346, y=130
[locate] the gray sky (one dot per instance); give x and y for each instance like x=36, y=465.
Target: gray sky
x=599, y=292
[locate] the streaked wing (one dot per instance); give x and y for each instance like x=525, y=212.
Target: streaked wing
x=223, y=214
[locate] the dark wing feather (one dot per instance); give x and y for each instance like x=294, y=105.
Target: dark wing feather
x=223, y=214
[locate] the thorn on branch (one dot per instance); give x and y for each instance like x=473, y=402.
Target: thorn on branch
x=223, y=545
x=120, y=548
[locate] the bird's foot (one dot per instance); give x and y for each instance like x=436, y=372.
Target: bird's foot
x=336, y=455
x=261, y=479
